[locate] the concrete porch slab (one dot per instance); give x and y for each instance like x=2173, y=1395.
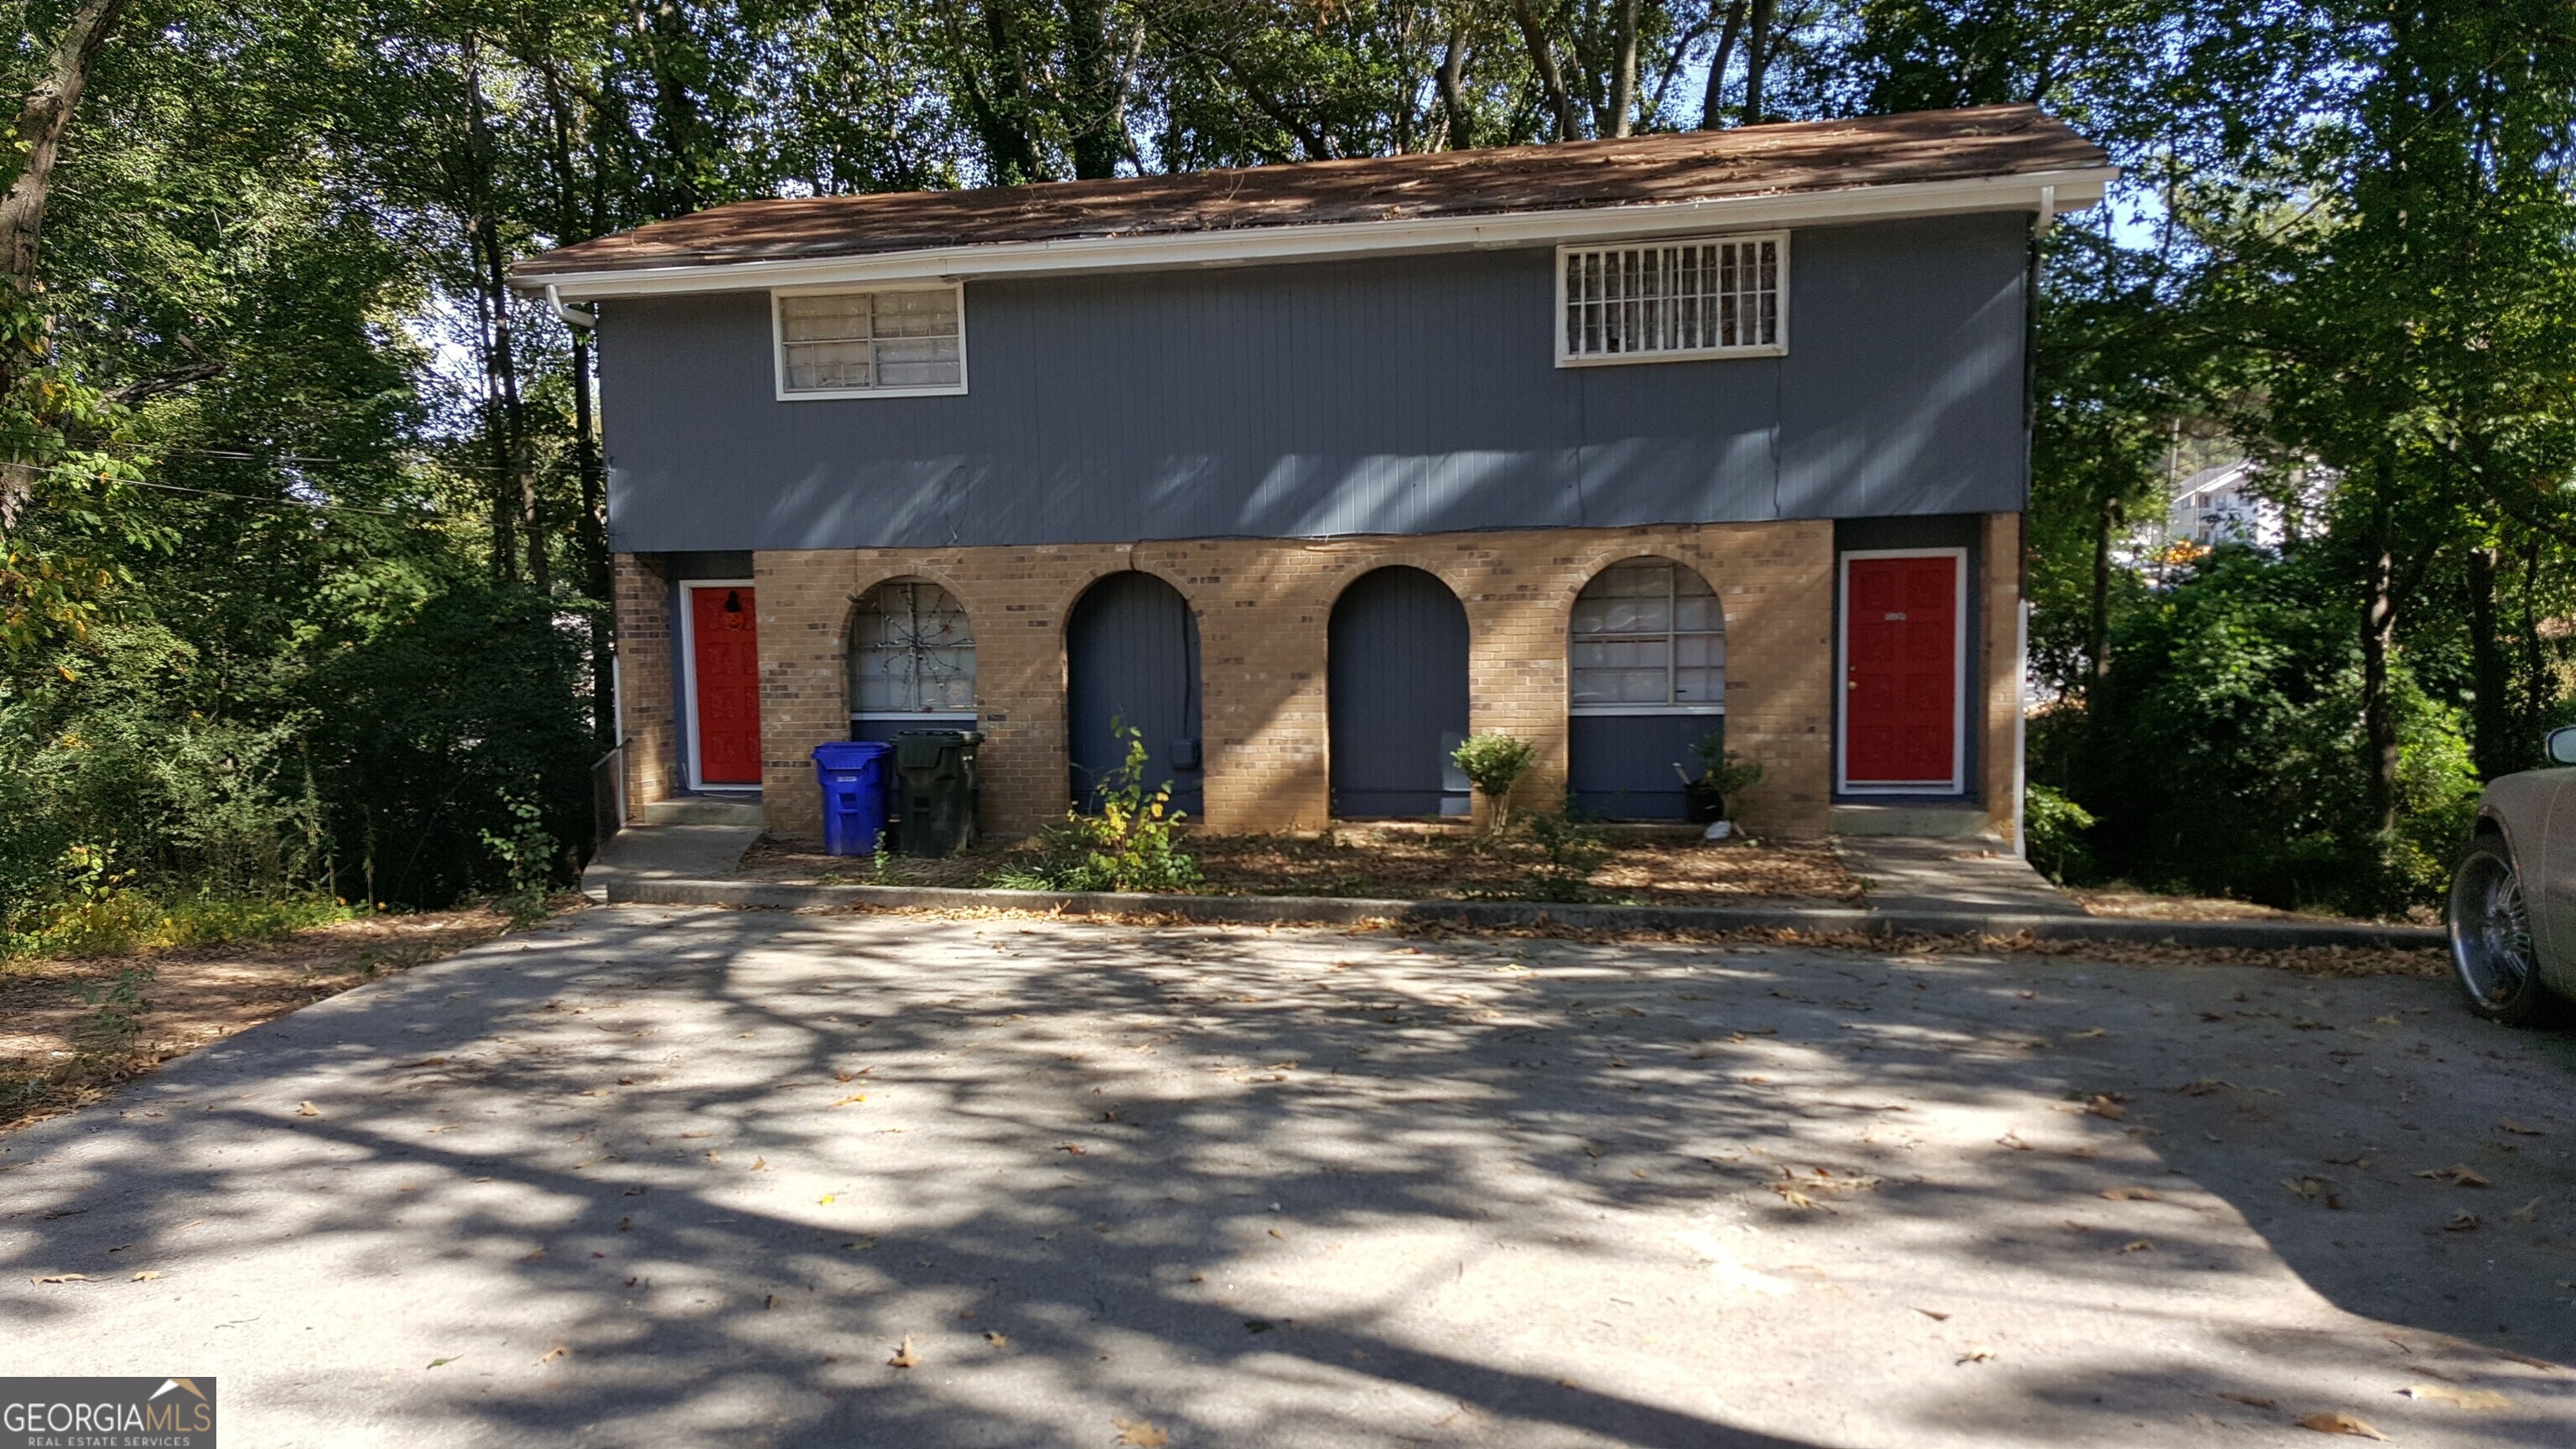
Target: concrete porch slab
x=704, y=810
x=641, y=853
x=1917, y=873
x=1949, y=822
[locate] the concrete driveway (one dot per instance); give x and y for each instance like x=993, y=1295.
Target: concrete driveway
x=662, y=1177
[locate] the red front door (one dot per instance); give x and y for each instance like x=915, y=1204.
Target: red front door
x=724, y=656
x=1901, y=671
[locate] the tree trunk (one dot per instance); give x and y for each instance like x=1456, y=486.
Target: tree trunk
x=1711, y=117
x=2097, y=629
x=1757, y=60
x=2378, y=637
x=42, y=120
x=1453, y=102
x=2492, y=736
x=1551, y=80
x=2536, y=693
x=1623, y=80
x=1093, y=80
x=514, y=487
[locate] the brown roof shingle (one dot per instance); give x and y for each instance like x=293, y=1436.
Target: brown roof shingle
x=1805, y=156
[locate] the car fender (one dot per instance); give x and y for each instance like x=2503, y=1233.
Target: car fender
x=2518, y=807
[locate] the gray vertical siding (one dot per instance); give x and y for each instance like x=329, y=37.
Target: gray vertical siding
x=1388, y=395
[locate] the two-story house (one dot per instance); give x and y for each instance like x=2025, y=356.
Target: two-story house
x=1308, y=471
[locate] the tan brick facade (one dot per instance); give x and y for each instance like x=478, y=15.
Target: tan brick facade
x=647, y=697
x=1262, y=608
x=1999, y=670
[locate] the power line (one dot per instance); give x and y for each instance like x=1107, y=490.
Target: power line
x=275, y=502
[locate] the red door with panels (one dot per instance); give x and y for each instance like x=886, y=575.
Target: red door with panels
x=1901, y=671
x=724, y=658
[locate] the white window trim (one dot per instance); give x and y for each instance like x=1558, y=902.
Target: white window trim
x=1957, y=784
x=1671, y=637
x=1556, y=318
x=689, y=677
x=778, y=343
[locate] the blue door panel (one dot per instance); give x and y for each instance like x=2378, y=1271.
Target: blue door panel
x=1132, y=657
x=1398, y=682
x=1620, y=766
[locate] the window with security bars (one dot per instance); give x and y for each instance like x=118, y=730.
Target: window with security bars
x=1646, y=638
x=859, y=342
x=911, y=652
x=1672, y=299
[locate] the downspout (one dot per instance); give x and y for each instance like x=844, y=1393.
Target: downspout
x=588, y=321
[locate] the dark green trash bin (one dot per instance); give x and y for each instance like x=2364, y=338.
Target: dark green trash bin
x=937, y=768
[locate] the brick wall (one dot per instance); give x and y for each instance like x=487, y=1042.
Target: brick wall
x=646, y=695
x=1999, y=671
x=1262, y=606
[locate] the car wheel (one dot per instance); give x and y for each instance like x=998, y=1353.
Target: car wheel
x=2491, y=944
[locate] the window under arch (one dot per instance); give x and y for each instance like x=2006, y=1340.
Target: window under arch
x=912, y=652
x=1647, y=637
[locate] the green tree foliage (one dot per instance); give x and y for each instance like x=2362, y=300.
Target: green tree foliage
x=303, y=548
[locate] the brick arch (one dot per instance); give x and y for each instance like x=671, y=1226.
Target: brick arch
x=872, y=578
x=1351, y=568
x=1128, y=564
x=1601, y=560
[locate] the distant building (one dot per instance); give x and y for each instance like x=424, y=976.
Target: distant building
x=2219, y=505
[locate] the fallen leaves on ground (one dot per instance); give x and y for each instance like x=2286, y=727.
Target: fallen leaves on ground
x=2524, y=1213
x=904, y=1357
x=1977, y=1353
x=1936, y=1315
x=2133, y=1194
x=2509, y=1125
x=2204, y=1086
x=2309, y=1185
x=996, y=1339
x=2463, y=1221
x=853, y=1097
x=2138, y=1245
x=2252, y=1401
x=147, y=1275
x=1142, y=1433
x=307, y=1109
x=2458, y=1396
x=2336, y=1421
x=2103, y=1105
x=550, y=1355
x=2458, y=1174
x=62, y=1278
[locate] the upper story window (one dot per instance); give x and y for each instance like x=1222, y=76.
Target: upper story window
x=1647, y=637
x=871, y=344
x=1706, y=297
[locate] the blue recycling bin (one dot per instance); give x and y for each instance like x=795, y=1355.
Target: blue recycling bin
x=853, y=776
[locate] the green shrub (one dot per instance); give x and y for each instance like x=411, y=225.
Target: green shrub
x=1722, y=771
x=527, y=855
x=1573, y=851
x=2052, y=832
x=1132, y=844
x=1493, y=764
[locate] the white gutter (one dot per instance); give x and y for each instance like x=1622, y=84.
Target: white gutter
x=572, y=316
x=2043, y=192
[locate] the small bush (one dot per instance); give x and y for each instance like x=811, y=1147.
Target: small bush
x=1133, y=844
x=527, y=856
x=2052, y=833
x=1493, y=764
x=1573, y=850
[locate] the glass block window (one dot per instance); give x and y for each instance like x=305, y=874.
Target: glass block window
x=1647, y=636
x=911, y=652
x=908, y=341
x=1672, y=299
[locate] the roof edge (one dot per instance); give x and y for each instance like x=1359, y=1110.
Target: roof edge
x=2044, y=193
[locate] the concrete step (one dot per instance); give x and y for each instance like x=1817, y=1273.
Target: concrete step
x=1935, y=822
x=665, y=852
x=702, y=810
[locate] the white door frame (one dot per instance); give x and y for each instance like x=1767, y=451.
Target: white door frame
x=689, y=675
x=1957, y=784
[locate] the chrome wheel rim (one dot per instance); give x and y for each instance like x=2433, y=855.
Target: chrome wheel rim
x=2490, y=930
